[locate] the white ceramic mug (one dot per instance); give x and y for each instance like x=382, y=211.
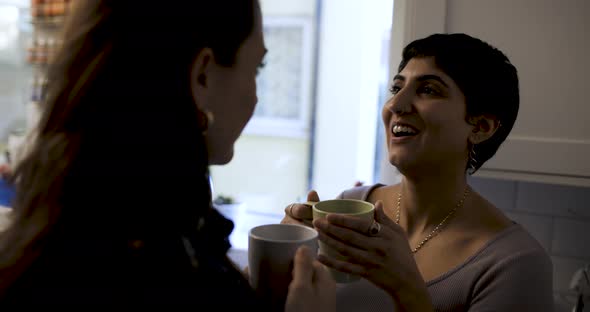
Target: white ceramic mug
x=271, y=249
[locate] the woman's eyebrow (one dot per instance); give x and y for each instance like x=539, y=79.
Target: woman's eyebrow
x=432, y=77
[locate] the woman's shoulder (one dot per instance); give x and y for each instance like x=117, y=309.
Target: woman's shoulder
x=515, y=242
x=511, y=245
x=514, y=247
x=359, y=192
x=512, y=271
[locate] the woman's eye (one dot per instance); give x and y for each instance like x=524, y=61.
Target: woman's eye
x=428, y=90
x=394, y=89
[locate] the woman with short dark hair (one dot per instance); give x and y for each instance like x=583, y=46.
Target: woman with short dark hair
x=435, y=243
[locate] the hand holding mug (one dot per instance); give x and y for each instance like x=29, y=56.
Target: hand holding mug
x=271, y=252
x=376, y=249
x=312, y=288
x=358, y=210
x=300, y=213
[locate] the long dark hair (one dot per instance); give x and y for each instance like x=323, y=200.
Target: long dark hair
x=119, y=156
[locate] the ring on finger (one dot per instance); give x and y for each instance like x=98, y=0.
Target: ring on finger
x=374, y=229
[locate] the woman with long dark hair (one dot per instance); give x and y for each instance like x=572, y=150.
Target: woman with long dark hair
x=138, y=85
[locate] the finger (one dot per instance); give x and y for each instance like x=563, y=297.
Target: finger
x=307, y=222
x=313, y=196
x=303, y=267
x=288, y=209
x=342, y=266
x=299, y=211
x=387, y=222
x=343, y=234
x=351, y=253
x=321, y=275
x=381, y=216
x=290, y=220
x=357, y=224
x=302, y=212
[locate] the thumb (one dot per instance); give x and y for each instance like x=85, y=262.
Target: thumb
x=380, y=215
x=303, y=267
x=313, y=196
x=323, y=278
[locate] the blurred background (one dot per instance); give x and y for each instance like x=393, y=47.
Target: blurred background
x=317, y=122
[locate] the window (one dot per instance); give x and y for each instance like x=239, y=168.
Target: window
x=315, y=126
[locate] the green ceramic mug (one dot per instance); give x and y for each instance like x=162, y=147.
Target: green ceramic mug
x=350, y=207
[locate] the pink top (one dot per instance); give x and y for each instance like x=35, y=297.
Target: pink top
x=512, y=272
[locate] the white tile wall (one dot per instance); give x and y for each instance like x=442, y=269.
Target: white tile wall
x=501, y=193
x=553, y=200
x=563, y=270
x=571, y=238
x=540, y=227
x=557, y=216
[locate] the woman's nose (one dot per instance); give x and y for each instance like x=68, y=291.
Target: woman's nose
x=401, y=102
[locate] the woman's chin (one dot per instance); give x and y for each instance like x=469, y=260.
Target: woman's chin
x=400, y=161
x=221, y=158
x=403, y=164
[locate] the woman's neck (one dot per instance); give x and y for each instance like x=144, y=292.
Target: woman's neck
x=424, y=203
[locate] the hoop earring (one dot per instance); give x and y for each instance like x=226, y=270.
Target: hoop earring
x=472, y=161
x=205, y=119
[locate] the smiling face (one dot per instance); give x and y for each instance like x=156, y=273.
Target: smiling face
x=424, y=120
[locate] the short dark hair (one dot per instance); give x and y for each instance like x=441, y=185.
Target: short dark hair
x=483, y=73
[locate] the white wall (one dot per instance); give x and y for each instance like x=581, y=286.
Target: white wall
x=406, y=27
x=546, y=41
x=14, y=72
x=349, y=62
x=556, y=81
x=282, y=7
x=271, y=172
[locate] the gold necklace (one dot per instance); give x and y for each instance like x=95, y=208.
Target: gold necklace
x=439, y=227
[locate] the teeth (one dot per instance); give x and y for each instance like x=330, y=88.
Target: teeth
x=399, y=129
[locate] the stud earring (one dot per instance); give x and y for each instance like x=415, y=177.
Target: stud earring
x=205, y=119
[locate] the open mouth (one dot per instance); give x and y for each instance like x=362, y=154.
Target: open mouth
x=400, y=131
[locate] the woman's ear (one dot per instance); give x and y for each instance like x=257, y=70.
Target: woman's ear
x=484, y=127
x=201, y=71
